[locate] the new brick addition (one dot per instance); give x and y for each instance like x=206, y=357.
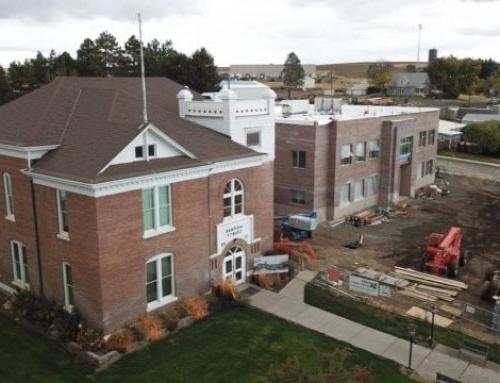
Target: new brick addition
x=353, y=160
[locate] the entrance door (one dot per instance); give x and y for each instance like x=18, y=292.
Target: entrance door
x=234, y=265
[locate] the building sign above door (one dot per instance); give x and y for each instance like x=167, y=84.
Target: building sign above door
x=234, y=228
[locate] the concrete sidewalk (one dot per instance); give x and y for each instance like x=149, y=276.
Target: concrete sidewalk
x=289, y=304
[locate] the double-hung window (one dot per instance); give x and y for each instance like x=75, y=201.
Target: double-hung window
x=298, y=159
x=69, y=300
x=9, y=197
x=19, y=265
x=373, y=148
x=346, y=154
x=233, y=198
x=159, y=281
x=345, y=194
x=62, y=214
x=156, y=210
x=360, y=151
x=429, y=167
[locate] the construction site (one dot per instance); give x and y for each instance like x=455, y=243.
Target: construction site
x=396, y=242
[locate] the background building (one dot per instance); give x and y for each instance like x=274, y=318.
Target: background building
x=409, y=85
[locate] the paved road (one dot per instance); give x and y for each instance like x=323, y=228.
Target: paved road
x=468, y=168
x=289, y=304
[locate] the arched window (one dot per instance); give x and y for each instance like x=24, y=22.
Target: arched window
x=233, y=198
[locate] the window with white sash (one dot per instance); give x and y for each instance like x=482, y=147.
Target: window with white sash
x=374, y=148
x=160, y=286
x=156, y=210
x=69, y=299
x=371, y=184
x=233, y=198
x=9, y=197
x=360, y=151
x=62, y=214
x=19, y=265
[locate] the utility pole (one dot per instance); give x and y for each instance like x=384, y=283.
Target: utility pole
x=143, y=75
x=418, y=48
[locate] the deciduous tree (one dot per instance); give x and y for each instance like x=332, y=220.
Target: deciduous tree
x=293, y=72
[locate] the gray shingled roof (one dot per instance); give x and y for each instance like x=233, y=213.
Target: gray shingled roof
x=93, y=119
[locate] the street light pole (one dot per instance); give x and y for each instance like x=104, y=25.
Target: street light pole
x=412, y=337
x=431, y=337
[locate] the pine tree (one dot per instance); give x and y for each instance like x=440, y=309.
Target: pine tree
x=130, y=65
x=109, y=53
x=203, y=71
x=87, y=60
x=293, y=72
x=5, y=89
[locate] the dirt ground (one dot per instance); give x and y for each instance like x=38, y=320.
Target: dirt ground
x=473, y=205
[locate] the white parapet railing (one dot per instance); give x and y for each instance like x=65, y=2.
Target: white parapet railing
x=251, y=108
x=204, y=108
x=215, y=108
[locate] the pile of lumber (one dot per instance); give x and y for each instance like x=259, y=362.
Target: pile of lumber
x=429, y=288
x=365, y=218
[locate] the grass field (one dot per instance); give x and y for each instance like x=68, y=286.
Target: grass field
x=385, y=321
x=235, y=345
x=470, y=156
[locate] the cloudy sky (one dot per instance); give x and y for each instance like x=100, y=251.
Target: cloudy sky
x=260, y=31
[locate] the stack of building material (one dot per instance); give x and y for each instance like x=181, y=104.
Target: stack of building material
x=399, y=283
x=429, y=288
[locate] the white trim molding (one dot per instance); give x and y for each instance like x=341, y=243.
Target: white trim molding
x=147, y=181
x=27, y=153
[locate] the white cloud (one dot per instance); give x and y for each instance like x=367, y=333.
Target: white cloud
x=260, y=31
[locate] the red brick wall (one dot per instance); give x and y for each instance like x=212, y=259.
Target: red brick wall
x=22, y=229
x=81, y=251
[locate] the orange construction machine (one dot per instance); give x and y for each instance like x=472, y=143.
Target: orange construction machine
x=442, y=253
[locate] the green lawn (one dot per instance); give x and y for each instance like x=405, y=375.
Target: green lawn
x=385, y=321
x=470, y=156
x=234, y=345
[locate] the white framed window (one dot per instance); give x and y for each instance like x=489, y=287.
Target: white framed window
x=371, y=184
x=298, y=159
x=156, y=210
x=253, y=138
x=359, y=190
x=298, y=197
x=69, y=298
x=373, y=148
x=9, y=197
x=139, y=152
x=233, y=198
x=160, y=286
x=62, y=214
x=345, y=194
x=360, y=151
x=152, y=150
x=346, y=154
x=19, y=265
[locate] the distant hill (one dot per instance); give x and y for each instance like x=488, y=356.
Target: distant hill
x=358, y=70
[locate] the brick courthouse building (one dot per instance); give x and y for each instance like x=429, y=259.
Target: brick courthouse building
x=118, y=217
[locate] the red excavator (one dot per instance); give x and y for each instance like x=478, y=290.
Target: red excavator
x=442, y=253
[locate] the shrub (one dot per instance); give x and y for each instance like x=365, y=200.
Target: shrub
x=171, y=317
x=226, y=291
x=264, y=280
x=65, y=325
x=197, y=307
x=122, y=340
x=90, y=339
x=151, y=327
x=37, y=310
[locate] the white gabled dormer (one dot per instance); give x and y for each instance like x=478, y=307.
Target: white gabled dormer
x=247, y=121
x=150, y=144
